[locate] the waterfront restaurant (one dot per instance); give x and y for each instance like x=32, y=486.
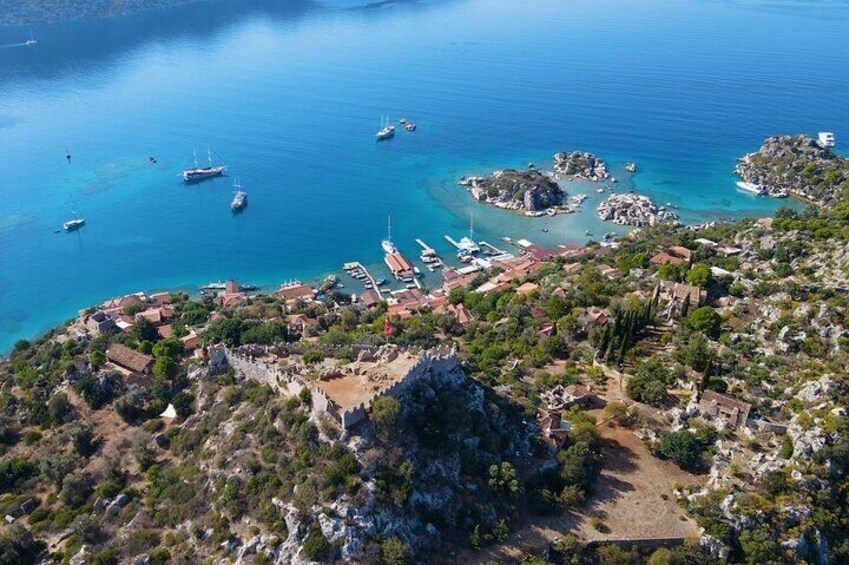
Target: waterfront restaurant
x=399, y=266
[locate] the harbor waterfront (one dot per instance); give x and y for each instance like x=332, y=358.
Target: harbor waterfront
x=290, y=98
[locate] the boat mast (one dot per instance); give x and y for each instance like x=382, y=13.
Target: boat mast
x=195, y=153
x=74, y=211
x=472, y=226
x=389, y=226
x=209, y=155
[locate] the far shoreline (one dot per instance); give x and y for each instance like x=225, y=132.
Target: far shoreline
x=9, y=21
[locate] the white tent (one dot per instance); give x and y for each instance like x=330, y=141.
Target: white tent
x=169, y=413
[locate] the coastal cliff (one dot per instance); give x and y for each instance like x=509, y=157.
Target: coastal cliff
x=796, y=165
x=32, y=12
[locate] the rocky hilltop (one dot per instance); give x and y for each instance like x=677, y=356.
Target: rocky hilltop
x=609, y=390
x=512, y=189
x=796, y=165
x=633, y=210
x=581, y=165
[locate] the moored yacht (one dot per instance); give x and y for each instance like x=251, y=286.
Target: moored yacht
x=240, y=197
x=74, y=224
x=750, y=187
x=202, y=173
x=386, y=130
x=825, y=139
x=77, y=222
x=386, y=244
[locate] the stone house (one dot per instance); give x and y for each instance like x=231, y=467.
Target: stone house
x=129, y=359
x=99, y=322
x=553, y=430
x=676, y=295
x=724, y=408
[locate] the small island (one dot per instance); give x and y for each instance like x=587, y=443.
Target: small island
x=581, y=165
x=534, y=192
x=634, y=210
x=794, y=165
x=512, y=189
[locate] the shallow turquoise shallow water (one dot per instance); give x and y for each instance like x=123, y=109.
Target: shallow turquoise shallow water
x=291, y=96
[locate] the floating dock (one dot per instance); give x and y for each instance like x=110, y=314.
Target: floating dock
x=426, y=249
x=453, y=242
x=354, y=265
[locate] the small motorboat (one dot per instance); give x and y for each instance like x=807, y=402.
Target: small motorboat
x=410, y=126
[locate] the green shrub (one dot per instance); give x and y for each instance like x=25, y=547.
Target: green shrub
x=316, y=546
x=15, y=471
x=31, y=437
x=683, y=448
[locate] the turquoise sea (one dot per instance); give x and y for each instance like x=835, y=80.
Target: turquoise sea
x=290, y=94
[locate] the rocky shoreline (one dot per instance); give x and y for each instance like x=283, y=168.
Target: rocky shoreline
x=512, y=189
x=537, y=193
x=795, y=165
x=580, y=165
x=634, y=210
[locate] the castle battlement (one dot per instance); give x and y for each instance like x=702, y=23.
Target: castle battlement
x=347, y=391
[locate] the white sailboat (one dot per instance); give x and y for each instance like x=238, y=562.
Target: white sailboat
x=31, y=40
x=467, y=244
x=387, y=244
x=240, y=197
x=77, y=222
x=201, y=173
x=386, y=129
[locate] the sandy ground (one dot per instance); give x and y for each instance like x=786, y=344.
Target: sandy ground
x=633, y=497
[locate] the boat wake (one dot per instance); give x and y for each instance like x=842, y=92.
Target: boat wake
x=11, y=45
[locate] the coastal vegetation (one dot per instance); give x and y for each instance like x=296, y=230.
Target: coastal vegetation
x=729, y=367
x=512, y=189
x=797, y=165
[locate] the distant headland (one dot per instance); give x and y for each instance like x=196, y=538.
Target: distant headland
x=34, y=12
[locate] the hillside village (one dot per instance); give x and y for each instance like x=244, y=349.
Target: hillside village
x=674, y=396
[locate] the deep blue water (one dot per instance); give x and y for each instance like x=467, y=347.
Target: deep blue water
x=290, y=95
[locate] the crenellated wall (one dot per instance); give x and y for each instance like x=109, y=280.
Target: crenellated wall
x=435, y=361
x=246, y=363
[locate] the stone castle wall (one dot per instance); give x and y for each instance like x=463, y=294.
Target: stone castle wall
x=243, y=361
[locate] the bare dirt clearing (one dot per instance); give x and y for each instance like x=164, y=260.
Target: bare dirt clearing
x=633, y=498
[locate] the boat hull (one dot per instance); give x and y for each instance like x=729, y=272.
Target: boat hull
x=197, y=175
x=750, y=187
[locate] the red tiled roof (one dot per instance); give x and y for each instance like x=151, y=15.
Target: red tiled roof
x=663, y=258
x=129, y=358
x=398, y=264
x=296, y=290
x=679, y=251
